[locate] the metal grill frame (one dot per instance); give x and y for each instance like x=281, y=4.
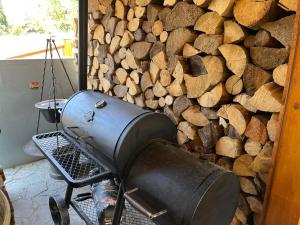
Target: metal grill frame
x=47, y=149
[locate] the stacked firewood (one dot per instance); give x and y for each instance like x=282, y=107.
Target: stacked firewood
x=216, y=67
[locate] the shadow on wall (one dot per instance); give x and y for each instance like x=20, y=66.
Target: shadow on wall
x=18, y=117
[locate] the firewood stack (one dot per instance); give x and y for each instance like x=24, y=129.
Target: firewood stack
x=217, y=68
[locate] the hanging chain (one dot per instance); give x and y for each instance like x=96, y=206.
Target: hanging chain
x=43, y=82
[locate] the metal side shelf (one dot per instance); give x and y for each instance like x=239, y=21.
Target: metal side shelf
x=70, y=159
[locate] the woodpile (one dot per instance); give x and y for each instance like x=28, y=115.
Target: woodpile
x=217, y=68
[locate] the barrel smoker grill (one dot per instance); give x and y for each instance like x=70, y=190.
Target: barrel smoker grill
x=158, y=183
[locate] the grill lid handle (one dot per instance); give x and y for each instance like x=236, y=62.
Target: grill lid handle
x=135, y=198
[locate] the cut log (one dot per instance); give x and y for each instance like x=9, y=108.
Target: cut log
x=139, y=35
x=254, y=13
x=254, y=77
x=133, y=24
x=263, y=161
x=169, y=99
x=139, y=11
x=264, y=39
x=225, y=162
x=209, y=113
x=210, y=134
x=109, y=61
x=106, y=84
x=107, y=38
x=236, y=58
x=216, y=96
x=181, y=137
x=169, y=2
x=165, y=78
x=135, y=76
x=147, y=26
x=119, y=10
x=182, y=15
x=179, y=70
x=157, y=47
x=152, y=103
x=131, y=61
x=120, y=90
x=121, y=75
x=222, y=112
x=267, y=98
x=233, y=32
x=177, y=39
x=176, y=88
x=159, y=90
x=210, y=23
x=252, y=147
x=216, y=69
x=124, y=64
x=111, y=25
x=268, y=58
x=272, y=126
x=229, y=147
x=187, y=129
x=194, y=115
x=230, y=131
x=280, y=74
x=254, y=204
x=169, y=112
x=209, y=43
x=196, y=66
x=149, y=93
x=152, y=12
x=122, y=53
x=114, y=45
x=163, y=37
x=142, y=2
x=160, y=60
x=256, y=130
x=281, y=30
x=243, y=99
x=196, y=86
x=248, y=186
x=222, y=7
x=99, y=34
x=243, y=210
x=146, y=81
x=202, y=3
x=161, y=102
x=157, y=28
x=154, y=72
x=249, y=41
x=289, y=5
x=163, y=13
x=133, y=88
x=181, y=104
x=234, y=85
x=129, y=98
x=127, y=39
x=238, y=117
x=241, y=166
x=189, y=51
x=140, y=50
x=235, y=221
x=120, y=28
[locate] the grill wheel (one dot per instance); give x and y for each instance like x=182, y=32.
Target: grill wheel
x=59, y=210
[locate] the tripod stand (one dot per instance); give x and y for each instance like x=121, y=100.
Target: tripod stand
x=51, y=112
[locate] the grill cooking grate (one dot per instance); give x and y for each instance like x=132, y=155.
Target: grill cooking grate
x=130, y=216
x=75, y=164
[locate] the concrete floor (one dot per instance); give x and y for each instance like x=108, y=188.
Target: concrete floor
x=29, y=187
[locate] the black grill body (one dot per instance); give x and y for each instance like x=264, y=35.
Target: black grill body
x=116, y=130
x=106, y=138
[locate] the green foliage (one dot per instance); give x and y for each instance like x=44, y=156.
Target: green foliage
x=4, y=27
x=52, y=17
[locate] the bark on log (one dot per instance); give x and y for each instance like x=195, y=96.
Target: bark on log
x=242, y=166
x=256, y=130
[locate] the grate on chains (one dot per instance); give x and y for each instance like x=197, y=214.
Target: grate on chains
x=77, y=164
x=130, y=216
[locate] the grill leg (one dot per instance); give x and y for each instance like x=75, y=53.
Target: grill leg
x=119, y=206
x=68, y=195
